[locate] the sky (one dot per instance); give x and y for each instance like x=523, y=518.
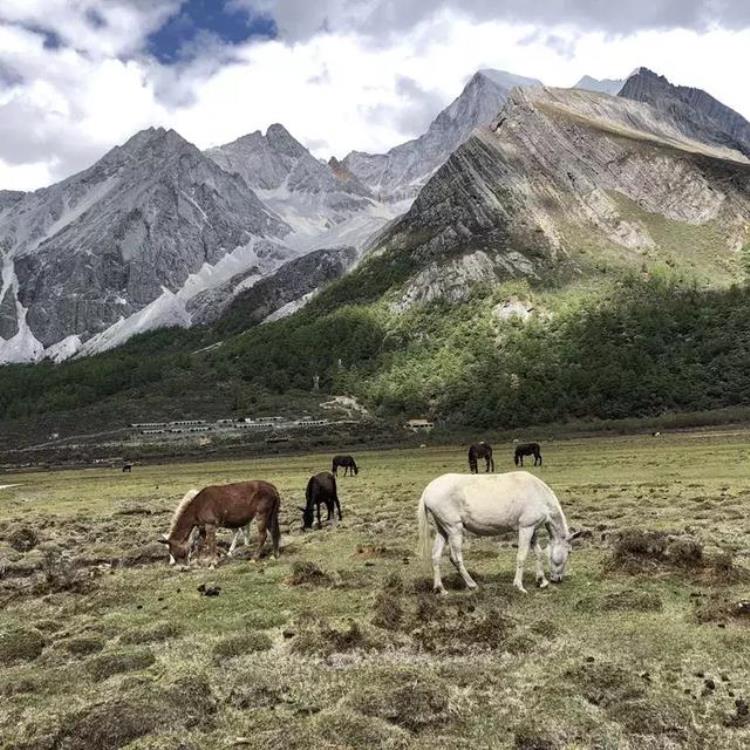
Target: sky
x=78, y=77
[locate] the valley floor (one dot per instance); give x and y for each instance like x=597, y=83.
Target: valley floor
x=341, y=644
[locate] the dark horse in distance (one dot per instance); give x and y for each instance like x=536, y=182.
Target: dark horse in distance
x=481, y=450
x=347, y=462
x=528, y=449
x=320, y=489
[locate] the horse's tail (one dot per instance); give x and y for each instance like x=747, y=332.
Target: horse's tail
x=424, y=545
x=274, y=524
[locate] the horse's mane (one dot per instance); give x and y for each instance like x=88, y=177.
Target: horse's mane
x=181, y=508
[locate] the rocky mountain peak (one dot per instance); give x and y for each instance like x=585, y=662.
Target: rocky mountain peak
x=695, y=112
x=402, y=172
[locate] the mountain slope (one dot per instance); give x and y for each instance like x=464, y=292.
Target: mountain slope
x=610, y=86
x=402, y=171
x=323, y=203
x=97, y=248
x=559, y=172
x=692, y=110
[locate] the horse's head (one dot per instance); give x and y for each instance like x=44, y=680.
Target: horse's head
x=178, y=551
x=308, y=517
x=559, y=549
x=356, y=469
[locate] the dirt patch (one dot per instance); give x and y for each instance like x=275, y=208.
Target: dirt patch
x=110, y=725
x=720, y=608
x=636, y=551
x=402, y=696
x=308, y=573
x=605, y=684
x=161, y=631
x=84, y=646
x=146, y=554
x=388, y=612
x=238, y=645
x=318, y=638
x=23, y=539
x=529, y=739
x=60, y=573
x=20, y=644
x=105, y=665
x=651, y=716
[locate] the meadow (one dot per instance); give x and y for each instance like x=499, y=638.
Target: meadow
x=341, y=643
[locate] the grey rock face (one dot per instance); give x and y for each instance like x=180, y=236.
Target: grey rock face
x=292, y=281
x=513, y=200
x=104, y=243
x=291, y=180
x=8, y=315
x=696, y=113
x=403, y=171
x=611, y=86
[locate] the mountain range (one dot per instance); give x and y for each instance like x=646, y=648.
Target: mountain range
x=511, y=180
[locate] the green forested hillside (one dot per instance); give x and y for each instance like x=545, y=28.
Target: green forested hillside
x=613, y=347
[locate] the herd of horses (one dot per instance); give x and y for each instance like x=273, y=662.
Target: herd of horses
x=451, y=504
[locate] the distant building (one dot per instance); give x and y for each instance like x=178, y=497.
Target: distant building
x=419, y=425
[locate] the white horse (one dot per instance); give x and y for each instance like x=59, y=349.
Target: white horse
x=487, y=504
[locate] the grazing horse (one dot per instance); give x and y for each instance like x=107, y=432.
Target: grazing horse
x=347, y=462
x=527, y=449
x=481, y=450
x=229, y=506
x=486, y=506
x=127, y=467
x=320, y=489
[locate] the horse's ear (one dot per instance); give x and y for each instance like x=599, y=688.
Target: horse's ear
x=575, y=534
x=162, y=540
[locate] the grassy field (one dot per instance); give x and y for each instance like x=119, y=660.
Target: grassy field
x=341, y=644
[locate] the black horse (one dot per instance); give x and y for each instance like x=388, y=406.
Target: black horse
x=481, y=450
x=527, y=449
x=127, y=467
x=320, y=489
x=350, y=466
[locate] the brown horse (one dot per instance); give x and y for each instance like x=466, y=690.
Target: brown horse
x=481, y=450
x=228, y=506
x=320, y=489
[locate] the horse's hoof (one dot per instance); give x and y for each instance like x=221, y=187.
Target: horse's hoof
x=542, y=583
x=521, y=589
x=441, y=591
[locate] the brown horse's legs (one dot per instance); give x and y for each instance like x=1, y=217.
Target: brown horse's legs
x=262, y=534
x=211, y=542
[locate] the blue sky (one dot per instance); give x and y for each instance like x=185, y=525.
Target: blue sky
x=214, y=20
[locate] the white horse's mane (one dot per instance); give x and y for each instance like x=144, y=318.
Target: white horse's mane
x=181, y=508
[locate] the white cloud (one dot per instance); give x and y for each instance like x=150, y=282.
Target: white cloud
x=60, y=109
